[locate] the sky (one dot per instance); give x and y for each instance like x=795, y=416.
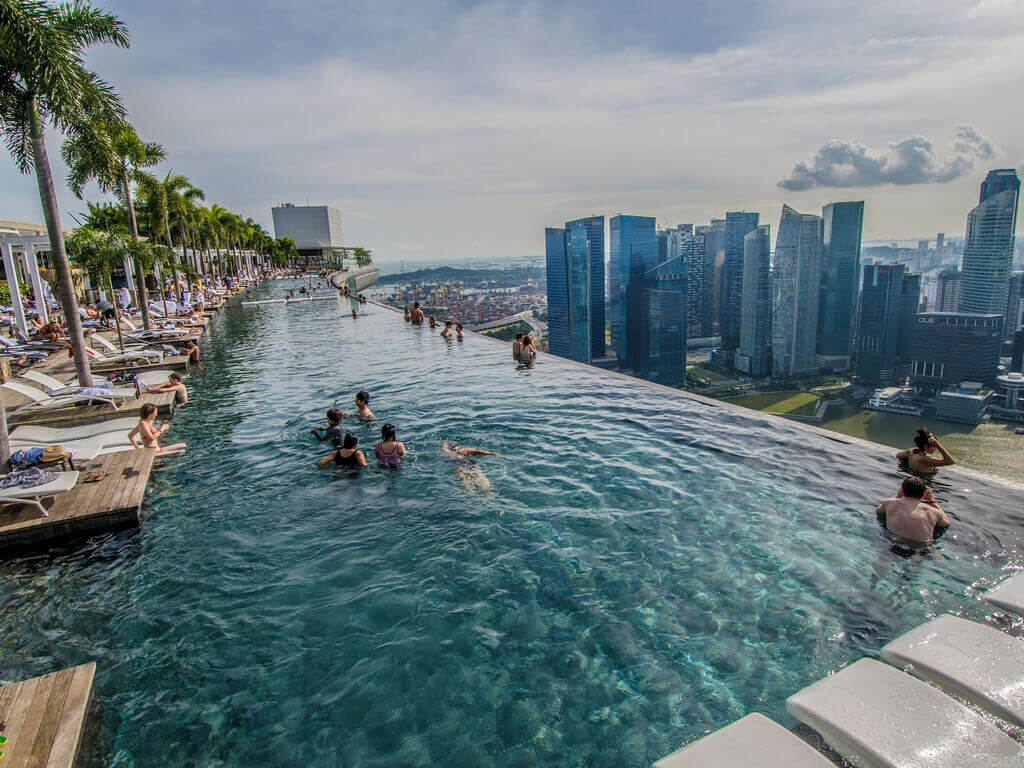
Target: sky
x=459, y=130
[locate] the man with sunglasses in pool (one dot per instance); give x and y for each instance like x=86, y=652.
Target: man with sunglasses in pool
x=913, y=513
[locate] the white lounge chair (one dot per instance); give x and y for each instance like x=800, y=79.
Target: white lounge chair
x=44, y=401
x=1009, y=595
x=116, y=356
x=751, y=741
x=57, y=387
x=40, y=435
x=967, y=660
x=81, y=450
x=63, y=483
x=878, y=717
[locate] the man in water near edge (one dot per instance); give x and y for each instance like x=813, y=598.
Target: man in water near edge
x=912, y=513
x=417, y=314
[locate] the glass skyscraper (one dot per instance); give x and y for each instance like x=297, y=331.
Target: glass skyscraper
x=796, y=286
x=840, y=278
x=633, y=254
x=575, y=284
x=756, y=316
x=888, y=310
x=737, y=225
x=988, y=246
x=660, y=353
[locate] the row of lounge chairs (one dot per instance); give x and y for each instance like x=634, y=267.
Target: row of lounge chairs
x=935, y=702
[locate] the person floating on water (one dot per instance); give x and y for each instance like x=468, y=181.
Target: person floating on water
x=346, y=456
x=150, y=435
x=913, y=512
x=389, y=451
x=416, y=316
x=465, y=468
x=333, y=432
x=919, y=457
x=362, y=406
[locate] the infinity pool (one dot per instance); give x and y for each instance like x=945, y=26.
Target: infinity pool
x=647, y=568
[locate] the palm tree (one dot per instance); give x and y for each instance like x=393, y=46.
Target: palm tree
x=109, y=152
x=43, y=79
x=363, y=257
x=181, y=197
x=99, y=252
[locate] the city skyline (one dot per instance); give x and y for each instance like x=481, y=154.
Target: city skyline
x=428, y=142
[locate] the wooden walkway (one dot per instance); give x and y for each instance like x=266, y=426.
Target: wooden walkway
x=113, y=502
x=44, y=719
x=81, y=414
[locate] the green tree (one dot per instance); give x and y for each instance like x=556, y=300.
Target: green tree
x=43, y=79
x=110, y=153
x=363, y=257
x=99, y=253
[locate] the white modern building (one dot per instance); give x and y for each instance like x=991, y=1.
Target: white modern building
x=316, y=230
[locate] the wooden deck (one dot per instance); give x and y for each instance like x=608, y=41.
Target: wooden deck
x=170, y=362
x=81, y=414
x=113, y=502
x=44, y=719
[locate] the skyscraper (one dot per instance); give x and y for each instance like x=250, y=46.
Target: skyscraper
x=658, y=350
x=881, y=315
x=737, y=225
x=690, y=250
x=715, y=248
x=988, y=246
x=951, y=347
x=840, y=278
x=633, y=253
x=591, y=230
x=796, y=286
x=575, y=310
x=947, y=295
x=1015, y=298
x=910, y=306
x=707, y=283
x=756, y=315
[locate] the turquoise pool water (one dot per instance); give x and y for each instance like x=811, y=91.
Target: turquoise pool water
x=648, y=568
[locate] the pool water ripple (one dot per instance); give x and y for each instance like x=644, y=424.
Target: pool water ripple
x=647, y=568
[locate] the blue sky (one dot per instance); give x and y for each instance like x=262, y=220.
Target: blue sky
x=459, y=130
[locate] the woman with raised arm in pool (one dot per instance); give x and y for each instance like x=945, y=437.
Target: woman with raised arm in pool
x=389, y=451
x=919, y=458
x=528, y=353
x=150, y=435
x=348, y=456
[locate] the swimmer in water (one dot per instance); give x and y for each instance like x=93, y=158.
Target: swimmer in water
x=347, y=456
x=913, y=513
x=408, y=315
x=362, y=406
x=389, y=451
x=447, y=332
x=919, y=458
x=465, y=468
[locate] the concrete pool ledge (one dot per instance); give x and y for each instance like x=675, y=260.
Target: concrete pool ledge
x=759, y=416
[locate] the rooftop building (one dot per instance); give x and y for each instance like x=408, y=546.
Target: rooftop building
x=316, y=230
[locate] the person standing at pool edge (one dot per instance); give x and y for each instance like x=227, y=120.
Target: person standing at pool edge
x=389, y=451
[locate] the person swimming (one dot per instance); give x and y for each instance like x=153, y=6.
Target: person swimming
x=347, y=456
x=446, y=333
x=389, y=451
x=466, y=469
x=333, y=432
x=416, y=316
x=362, y=406
x=913, y=512
x=919, y=457
x=458, y=331
x=517, y=346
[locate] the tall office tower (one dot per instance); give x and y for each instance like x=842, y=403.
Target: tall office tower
x=690, y=250
x=910, y=306
x=940, y=242
x=575, y=297
x=922, y=245
x=1017, y=353
x=591, y=230
x=951, y=347
x=633, y=253
x=882, y=304
x=947, y=295
x=840, y=279
x=1014, y=305
x=796, y=286
x=707, y=282
x=753, y=355
x=737, y=225
x=988, y=245
x=658, y=349
x=715, y=245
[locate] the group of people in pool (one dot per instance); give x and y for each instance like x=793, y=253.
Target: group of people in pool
x=389, y=451
x=415, y=316
x=913, y=513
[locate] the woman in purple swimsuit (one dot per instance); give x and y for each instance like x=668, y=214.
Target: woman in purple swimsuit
x=389, y=451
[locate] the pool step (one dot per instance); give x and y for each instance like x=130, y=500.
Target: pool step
x=1009, y=595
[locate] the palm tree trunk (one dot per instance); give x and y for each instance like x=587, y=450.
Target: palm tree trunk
x=5, y=441
x=117, y=317
x=61, y=267
x=140, y=279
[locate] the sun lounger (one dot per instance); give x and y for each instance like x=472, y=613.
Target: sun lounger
x=63, y=483
x=40, y=435
x=751, y=741
x=44, y=401
x=878, y=717
x=1009, y=595
x=966, y=660
x=57, y=387
x=116, y=356
x=81, y=450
